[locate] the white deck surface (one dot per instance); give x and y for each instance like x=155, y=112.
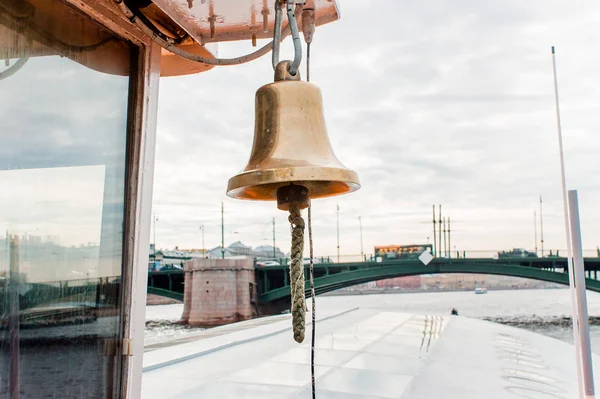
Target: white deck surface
x=366, y=353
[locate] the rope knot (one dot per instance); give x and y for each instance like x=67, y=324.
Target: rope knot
x=295, y=218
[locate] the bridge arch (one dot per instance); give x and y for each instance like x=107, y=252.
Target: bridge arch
x=344, y=279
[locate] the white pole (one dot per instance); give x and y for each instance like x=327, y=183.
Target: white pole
x=584, y=328
x=568, y=236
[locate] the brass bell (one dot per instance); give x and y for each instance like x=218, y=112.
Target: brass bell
x=291, y=146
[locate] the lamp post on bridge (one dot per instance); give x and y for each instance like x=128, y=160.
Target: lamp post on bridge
x=203, y=248
x=541, y=227
x=362, y=254
x=154, y=219
x=535, y=232
x=274, y=252
x=449, y=246
x=435, y=251
x=440, y=231
x=338, y=233
x=222, y=231
x=443, y=229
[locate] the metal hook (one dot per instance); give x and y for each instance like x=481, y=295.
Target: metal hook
x=290, y=5
x=295, y=36
x=276, y=34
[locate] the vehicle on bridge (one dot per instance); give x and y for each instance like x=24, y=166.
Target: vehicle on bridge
x=267, y=263
x=170, y=267
x=389, y=252
x=517, y=253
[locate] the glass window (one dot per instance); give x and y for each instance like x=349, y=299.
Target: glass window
x=64, y=84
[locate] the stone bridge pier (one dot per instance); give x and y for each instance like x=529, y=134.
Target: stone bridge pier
x=219, y=291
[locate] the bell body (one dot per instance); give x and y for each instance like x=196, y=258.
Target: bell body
x=291, y=146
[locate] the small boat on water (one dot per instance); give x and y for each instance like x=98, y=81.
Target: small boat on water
x=480, y=290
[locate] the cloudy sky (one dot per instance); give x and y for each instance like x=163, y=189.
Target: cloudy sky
x=432, y=102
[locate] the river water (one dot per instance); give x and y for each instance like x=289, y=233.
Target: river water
x=544, y=311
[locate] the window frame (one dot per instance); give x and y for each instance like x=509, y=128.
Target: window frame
x=144, y=79
x=139, y=178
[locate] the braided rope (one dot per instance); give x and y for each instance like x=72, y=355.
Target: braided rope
x=312, y=297
x=297, y=274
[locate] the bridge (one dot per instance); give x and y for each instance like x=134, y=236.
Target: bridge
x=273, y=281
x=169, y=283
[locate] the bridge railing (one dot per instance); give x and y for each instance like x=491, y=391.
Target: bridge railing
x=455, y=254
x=272, y=281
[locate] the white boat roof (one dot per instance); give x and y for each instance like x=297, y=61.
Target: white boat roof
x=364, y=353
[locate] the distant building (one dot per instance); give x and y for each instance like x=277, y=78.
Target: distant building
x=196, y=252
x=166, y=259
x=235, y=250
x=240, y=250
x=219, y=252
x=266, y=252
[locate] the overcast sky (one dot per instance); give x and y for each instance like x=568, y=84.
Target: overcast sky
x=434, y=102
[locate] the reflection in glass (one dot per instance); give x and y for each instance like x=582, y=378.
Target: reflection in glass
x=63, y=129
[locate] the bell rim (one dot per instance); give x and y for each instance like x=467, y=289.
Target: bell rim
x=316, y=177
